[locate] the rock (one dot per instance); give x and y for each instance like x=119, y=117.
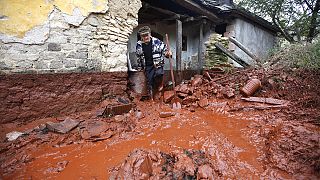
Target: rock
x=191, y=109
x=42, y=127
x=99, y=112
x=198, y=94
x=228, y=92
x=62, y=127
x=196, y=81
x=11, y=136
x=168, y=96
x=205, y=172
x=93, y=129
x=27, y=158
x=118, y=109
x=60, y=167
x=139, y=115
x=120, y=118
x=182, y=95
x=183, y=88
x=203, y=102
x=189, y=100
x=93, y=21
x=123, y=100
x=185, y=164
x=166, y=114
x=54, y=47
x=140, y=164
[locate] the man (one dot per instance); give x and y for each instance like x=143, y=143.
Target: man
x=150, y=53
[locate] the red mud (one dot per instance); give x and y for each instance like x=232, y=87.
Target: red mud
x=211, y=137
x=27, y=97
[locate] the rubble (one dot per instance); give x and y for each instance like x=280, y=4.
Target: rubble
x=168, y=96
x=62, y=127
x=213, y=56
x=166, y=114
x=112, y=110
x=13, y=135
x=59, y=167
x=197, y=81
x=154, y=164
x=203, y=102
x=93, y=130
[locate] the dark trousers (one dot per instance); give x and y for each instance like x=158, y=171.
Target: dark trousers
x=154, y=76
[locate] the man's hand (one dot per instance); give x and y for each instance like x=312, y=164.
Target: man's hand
x=168, y=54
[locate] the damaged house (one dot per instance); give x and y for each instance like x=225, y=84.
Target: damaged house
x=189, y=24
x=61, y=57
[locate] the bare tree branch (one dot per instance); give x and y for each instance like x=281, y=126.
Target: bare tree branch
x=313, y=22
x=285, y=34
x=309, y=5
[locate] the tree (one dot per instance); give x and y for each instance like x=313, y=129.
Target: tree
x=296, y=19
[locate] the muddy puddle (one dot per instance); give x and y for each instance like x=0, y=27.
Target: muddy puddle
x=220, y=137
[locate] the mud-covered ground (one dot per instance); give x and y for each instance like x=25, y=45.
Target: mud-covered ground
x=215, y=135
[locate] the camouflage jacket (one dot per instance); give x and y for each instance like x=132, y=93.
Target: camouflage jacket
x=158, y=50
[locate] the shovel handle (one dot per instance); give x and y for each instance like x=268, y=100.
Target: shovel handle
x=170, y=61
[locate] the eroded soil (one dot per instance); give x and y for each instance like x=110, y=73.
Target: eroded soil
x=214, y=135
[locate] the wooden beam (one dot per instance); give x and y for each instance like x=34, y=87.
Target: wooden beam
x=189, y=4
x=231, y=55
x=200, y=48
x=178, y=44
x=164, y=11
x=246, y=50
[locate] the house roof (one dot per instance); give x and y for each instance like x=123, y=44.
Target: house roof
x=218, y=11
x=241, y=13
x=225, y=9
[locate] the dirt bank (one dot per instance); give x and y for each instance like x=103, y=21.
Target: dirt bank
x=26, y=97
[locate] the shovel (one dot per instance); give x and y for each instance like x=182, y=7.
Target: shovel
x=176, y=101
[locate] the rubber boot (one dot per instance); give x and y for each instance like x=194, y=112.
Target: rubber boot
x=151, y=92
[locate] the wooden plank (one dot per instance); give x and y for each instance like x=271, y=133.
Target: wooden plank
x=246, y=50
x=263, y=107
x=266, y=100
x=164, y=11
x=178, y=44
x=231, y=55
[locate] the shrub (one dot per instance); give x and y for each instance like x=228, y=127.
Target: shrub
x=297, y=56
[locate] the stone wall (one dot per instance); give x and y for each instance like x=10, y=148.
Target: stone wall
x=61, y=57
x=77, y=42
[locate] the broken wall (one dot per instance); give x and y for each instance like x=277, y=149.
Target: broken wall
x=63, y=56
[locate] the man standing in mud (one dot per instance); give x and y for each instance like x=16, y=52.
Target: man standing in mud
x=150, y=53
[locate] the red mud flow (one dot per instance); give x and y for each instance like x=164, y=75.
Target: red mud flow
x=219, y=136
